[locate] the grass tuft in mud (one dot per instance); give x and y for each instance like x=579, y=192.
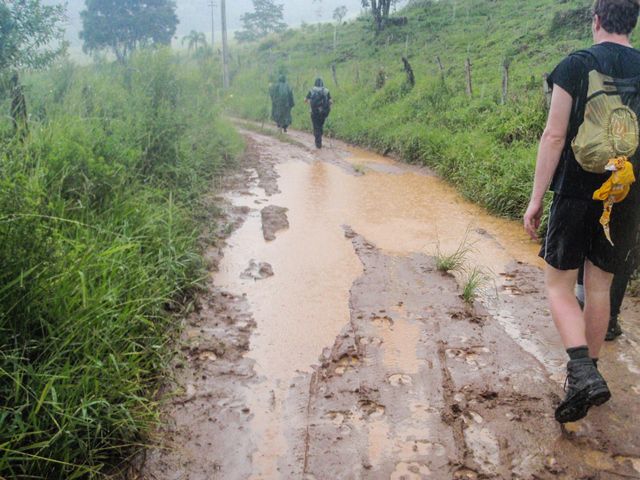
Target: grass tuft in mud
x=99, y=218
x=474, y=281
x=455, y=261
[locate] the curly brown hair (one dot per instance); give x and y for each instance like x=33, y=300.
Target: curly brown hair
x=617, y=16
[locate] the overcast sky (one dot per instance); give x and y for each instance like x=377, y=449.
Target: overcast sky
x=196, y=14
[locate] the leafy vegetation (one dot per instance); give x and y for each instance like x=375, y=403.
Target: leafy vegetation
x=30, y=34
x=122, y=26
x=99, y=216
x=486, y=149
x=267, y=17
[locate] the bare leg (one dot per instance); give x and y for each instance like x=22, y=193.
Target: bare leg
x=597, y=308
x=565, y=310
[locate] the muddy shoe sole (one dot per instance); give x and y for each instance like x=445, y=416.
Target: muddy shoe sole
x=577, y=407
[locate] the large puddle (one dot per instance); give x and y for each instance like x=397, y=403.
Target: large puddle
x=304, y=306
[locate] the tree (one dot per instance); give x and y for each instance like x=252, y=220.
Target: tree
x=338, y=15
x=124, y=25
x=195, y=39
x=380, y=11
x=30, y=34
x=266, y=18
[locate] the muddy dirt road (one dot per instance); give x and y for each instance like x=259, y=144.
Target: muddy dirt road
x=330, y=347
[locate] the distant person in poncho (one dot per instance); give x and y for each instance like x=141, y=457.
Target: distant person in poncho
x=319, y=99
x=281, y=103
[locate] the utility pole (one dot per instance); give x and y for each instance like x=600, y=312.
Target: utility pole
x=213, y=5
x=225, y=46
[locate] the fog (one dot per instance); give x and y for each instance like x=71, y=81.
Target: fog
x=196, y=14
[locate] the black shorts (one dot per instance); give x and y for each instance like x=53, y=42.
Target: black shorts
x=574, y=234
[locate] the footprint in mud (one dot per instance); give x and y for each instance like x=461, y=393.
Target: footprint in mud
x=257, y=271
x=371, y=410
x=470, y=355
x=399, y=379
x=484, y=447
x=422, y=448
x=373, y=341
x=345, y=363
x=410, y=471
x=340, y=419
x=382, y=322
x=423, y=411
x=465, y=474
x=337, y=418
x=473, y=416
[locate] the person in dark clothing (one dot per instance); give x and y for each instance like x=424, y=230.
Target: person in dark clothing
x=281, y=103
x=620, y=282
x=319, y=99
x=618, y=290
x=575, y=237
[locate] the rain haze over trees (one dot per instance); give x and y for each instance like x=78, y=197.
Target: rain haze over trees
x=196, y=14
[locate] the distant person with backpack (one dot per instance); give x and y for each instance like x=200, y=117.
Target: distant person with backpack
x=589, y=159
x=320, y=102
x=281, y=103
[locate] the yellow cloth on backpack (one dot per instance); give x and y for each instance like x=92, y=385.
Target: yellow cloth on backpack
x=615, y=189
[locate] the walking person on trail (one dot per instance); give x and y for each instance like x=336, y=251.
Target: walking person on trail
x=319, y=99
x=588, y=157
x=618, y=290
x=281, y=103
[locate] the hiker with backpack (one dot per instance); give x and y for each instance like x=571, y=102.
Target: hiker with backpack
x=281, y=103
x=588, y=158
x=319, y=99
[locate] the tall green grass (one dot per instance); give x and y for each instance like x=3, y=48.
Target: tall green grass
x=486, y=149
x=98, y=221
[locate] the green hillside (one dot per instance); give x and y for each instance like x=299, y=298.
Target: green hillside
x=484, y=147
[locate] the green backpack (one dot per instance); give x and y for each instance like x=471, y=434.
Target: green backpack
x=610, y=128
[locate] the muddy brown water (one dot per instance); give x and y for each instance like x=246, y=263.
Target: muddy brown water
x=353, y=357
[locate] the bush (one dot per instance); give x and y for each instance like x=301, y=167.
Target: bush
x=99, y=246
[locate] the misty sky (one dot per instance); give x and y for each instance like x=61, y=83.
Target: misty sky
x=196, y=14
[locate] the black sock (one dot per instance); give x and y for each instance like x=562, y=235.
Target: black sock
x=595, y=362
x=578, y=352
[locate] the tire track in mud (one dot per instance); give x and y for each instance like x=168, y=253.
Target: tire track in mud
x=416, y=385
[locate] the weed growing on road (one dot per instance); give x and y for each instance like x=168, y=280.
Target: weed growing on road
x=454, y=262
x=359, y=169
x=474, y=281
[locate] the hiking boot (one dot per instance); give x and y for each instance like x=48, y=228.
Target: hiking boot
x=585, y=388
x=614, y=330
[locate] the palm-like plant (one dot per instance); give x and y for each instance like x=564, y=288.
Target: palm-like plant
x=196, y=40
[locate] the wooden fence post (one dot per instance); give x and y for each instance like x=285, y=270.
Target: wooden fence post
x=381, y=79
x=505, y=81
x=467, y=67
x=411, y=78
x=440, y=67
x=334, y=74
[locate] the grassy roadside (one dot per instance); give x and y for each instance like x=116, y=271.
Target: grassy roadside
x=99, y=218
x=485, y=148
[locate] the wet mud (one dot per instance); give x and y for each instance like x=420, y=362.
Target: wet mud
x=274, y=219
x=333, y=348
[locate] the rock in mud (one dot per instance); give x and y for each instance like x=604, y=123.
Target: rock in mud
x=274, y=219
x=257, y=271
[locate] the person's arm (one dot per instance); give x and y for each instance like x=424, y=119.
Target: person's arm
x=551, y=146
